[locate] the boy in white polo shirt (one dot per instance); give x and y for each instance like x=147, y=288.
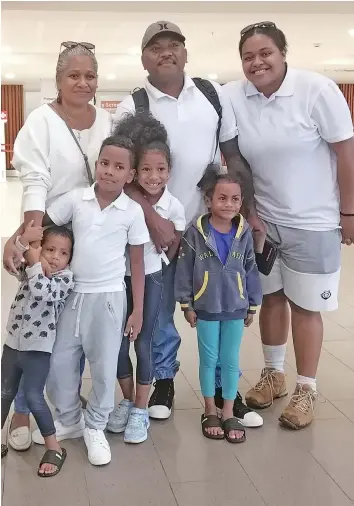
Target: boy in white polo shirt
x=104, y=221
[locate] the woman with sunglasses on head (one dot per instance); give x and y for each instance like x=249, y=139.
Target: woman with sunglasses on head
x=296, y=133
x=55, y=152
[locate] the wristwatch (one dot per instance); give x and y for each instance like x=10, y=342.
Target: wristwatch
x=20, y=246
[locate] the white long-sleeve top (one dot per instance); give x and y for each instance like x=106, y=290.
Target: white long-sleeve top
x=48, y=159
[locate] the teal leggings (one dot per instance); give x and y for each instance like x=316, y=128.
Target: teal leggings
x=219, y=342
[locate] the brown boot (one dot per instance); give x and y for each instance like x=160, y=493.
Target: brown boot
x=300, y=411
x=271, y=386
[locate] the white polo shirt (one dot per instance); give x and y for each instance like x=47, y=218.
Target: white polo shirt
x=170, y=208
x=101, y=237
x=285, y=138
x=191, y=123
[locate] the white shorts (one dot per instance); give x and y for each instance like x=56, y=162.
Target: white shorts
x=307, y=268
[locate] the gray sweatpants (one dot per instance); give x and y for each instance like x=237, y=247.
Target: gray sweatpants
x=91, y=323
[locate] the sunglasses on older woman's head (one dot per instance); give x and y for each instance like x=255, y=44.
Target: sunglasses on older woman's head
x=69, y=44
x=261, y=24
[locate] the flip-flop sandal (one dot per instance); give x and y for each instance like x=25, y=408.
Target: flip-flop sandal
x=209, y=421
x=55, y=458
x=4, y=450
x=232, y=424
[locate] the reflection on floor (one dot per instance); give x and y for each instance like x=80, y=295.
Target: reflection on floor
x=177, y=466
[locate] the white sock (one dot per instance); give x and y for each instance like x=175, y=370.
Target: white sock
x=303, y=380
x=274, y=356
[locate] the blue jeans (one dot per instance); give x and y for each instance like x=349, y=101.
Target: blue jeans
x=21, y=405
x=143, y=344
x=166, y=339
x=219, y=341
x=33, y=367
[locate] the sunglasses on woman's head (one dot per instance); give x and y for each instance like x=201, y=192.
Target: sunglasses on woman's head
x=71, y=44
x=262, y=24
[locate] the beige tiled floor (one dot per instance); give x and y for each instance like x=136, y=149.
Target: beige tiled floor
x=177, y=466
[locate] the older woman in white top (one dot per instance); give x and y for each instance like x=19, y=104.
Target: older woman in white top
x=51, y=162
x=296, y=132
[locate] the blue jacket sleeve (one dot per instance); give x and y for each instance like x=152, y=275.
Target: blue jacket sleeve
x=253, y=282
x=184, y=274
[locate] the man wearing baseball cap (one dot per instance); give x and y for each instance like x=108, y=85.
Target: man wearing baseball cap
x=194, y=130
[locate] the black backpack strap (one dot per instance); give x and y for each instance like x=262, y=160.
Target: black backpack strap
x=141, y=100
x=211, y=94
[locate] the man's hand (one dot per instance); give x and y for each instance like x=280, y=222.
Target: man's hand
x=31, y=234
x=134, y=324
x=347, y=224
x=12, y=257
x=33, y=255
x=259, y=231
x=191, y=318
x=162, y=231
x=249, y=319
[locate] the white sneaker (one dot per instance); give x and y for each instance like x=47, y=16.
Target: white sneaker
x=119, y=417
x=19, y=439
x=99, y=452
x=62, y=432
x=138, y=424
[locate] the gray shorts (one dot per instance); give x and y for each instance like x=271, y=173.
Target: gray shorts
x=307, y=268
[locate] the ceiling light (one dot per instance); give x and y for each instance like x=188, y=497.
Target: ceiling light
x=111, y=77
x=351, y=32
x=213, y=77
x=10, y=75
x=135, y=50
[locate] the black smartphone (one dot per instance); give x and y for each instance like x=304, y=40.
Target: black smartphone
x=266, y=259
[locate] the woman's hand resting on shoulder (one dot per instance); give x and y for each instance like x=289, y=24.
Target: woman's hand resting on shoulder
x=12, y=257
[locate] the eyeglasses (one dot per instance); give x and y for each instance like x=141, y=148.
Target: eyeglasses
x=71, y=44
x=261, y=24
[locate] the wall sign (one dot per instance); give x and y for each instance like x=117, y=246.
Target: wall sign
x=110, y=105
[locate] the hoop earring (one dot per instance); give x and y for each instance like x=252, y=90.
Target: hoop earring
x=94, y=100
x=59, y=100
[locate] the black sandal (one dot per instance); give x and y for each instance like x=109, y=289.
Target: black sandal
x=232, y=424
x=4, y=450
x=209, y=421
x=55, y=458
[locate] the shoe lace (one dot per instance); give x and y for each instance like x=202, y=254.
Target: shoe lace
x=163, y=390
x=136, y=420
x=267, y=380
x=304, y=400
x=98, y=438
x=241, y=408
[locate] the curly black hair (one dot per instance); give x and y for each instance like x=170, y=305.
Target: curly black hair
x=213, y=175
x=146, y=133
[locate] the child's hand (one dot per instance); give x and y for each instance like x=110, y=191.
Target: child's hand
x=134, y=324
x=47, y=271
x=249, y=320
x=191, y=318
x=33, y=255
x=31, y=234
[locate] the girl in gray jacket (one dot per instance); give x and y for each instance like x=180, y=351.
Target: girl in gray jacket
x=218, y=287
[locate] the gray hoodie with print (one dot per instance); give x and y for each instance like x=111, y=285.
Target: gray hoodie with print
x=213, y=290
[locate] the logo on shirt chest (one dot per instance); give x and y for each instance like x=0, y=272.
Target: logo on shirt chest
x=209, y=254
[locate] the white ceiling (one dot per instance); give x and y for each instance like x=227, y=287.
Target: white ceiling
x=32, y=32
